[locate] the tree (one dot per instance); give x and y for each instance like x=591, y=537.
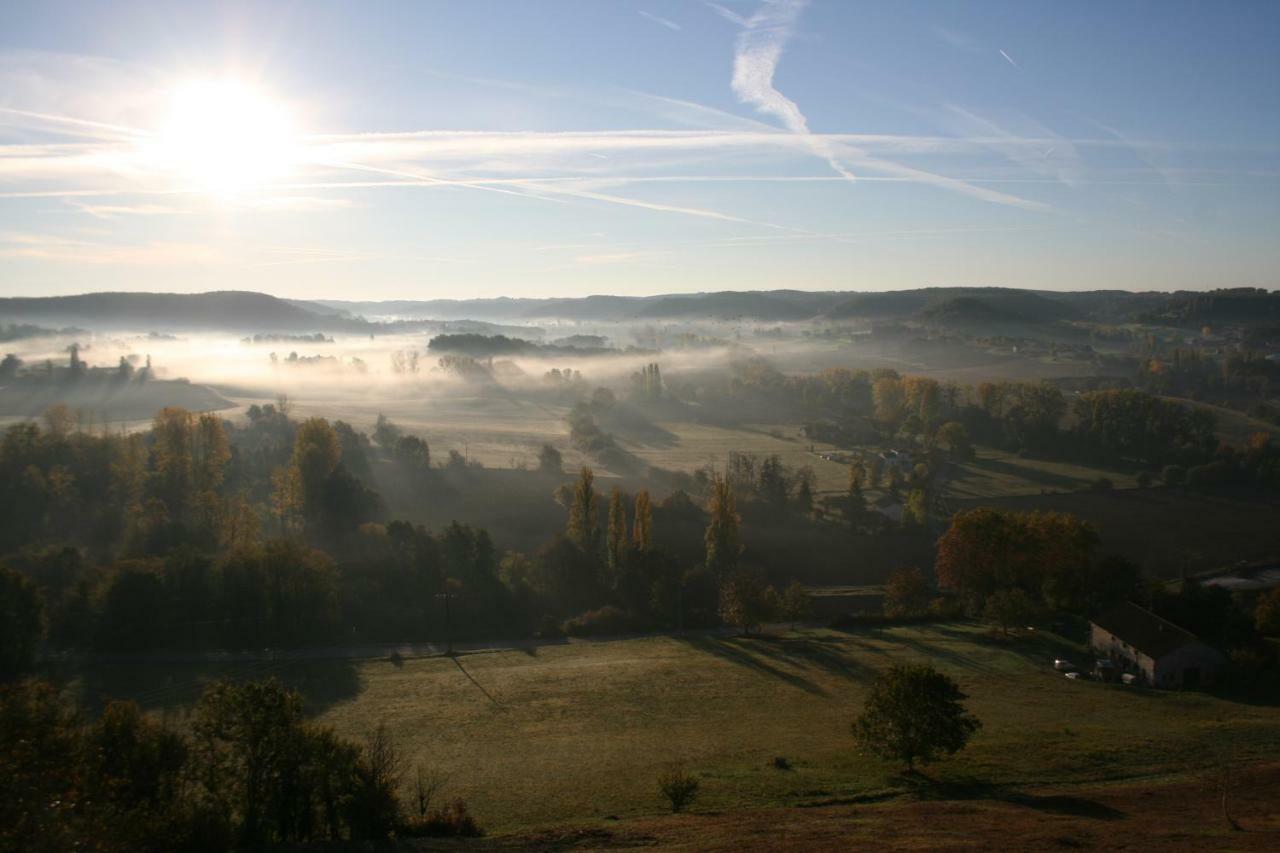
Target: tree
x=906, y=594
x=1008, y=608
x=642, y=526
x=986, y=550
x=316, y=454
x=1266, y=615
x=796, y=604
x=172, y=463
x=723, y=547
x=385, y=433
x=956, y=439
x=584, y=527
x=616, y=541
x=915, y=512
x=773, y=486
x=21, y=623
x=745, y=600
x=914, y=713
x=549, y=460
x=804, y=482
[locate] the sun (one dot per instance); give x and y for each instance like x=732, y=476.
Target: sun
x=225, y=136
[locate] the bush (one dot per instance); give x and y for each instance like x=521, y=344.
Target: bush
x=1144, y=479
x=1102, y=484
x=596, y=623
x=1174, y=475
x=452, y=821
x=680, y=788
x=946, y=608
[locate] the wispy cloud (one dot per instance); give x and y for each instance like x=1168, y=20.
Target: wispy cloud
x=664, y=22
x=758, y=51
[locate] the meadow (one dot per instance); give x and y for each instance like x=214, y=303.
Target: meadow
x=576, y=733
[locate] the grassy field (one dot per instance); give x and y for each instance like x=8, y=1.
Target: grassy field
x=694, y=445
x=998, y=474
x=577, y=733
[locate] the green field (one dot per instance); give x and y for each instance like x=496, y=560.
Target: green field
x=996, y=473
x=576, y=733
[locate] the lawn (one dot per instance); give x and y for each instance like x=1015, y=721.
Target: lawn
x=575, y=733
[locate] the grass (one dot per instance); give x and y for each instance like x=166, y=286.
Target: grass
x=695, y=445
x=998, y=474
x=578, y=732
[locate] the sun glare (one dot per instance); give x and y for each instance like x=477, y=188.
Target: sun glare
x=224, y=136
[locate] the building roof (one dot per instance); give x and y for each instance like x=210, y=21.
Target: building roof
x=1143, y=630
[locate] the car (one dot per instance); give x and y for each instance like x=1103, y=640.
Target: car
x=1063, y=665
x=1073, y=674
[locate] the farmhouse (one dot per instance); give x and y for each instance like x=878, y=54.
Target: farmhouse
x=1155, y=650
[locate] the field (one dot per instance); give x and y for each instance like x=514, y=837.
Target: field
x=998, y=474
x=576, y=733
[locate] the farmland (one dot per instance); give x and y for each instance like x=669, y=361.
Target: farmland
x=575, y=733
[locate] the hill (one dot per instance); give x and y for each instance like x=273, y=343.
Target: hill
x=958, y=305
x=224, y=310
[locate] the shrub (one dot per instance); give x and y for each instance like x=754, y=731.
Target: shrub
x=680, y=788
x=452, y=821
x=1144, y=479
x=1174, y=475
x=602, y=622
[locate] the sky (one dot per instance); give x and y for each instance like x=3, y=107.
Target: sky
x=422, y=150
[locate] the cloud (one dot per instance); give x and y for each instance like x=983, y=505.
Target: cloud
x=665, y=22
x=758, y=51
x=1009, y=59
x=728, y=14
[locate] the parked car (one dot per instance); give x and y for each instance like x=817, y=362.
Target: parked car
x=1073, y=674
x=1064, y=665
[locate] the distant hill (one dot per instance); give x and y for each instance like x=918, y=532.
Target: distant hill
x=246, y=312
x=724, y=306
x=224, y=310
x=959, y=305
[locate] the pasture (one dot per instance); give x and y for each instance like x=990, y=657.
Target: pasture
x=995, y=473
x=576, y=733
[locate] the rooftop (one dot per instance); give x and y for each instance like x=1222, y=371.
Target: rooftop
x=1144, y=630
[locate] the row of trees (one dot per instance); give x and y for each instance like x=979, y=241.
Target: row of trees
x=248, y=772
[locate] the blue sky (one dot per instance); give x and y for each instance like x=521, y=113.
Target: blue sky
x=457, y=149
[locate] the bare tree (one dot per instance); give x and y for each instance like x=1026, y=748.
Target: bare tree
x=428, y=782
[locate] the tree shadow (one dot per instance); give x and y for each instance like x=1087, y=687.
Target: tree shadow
x=1034, y=475
x=740, y=654
x=814, y=652
x=974, y=788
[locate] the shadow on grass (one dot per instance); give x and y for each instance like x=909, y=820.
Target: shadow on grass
x=970, y=788
x=746, y=653
x=1035, y=475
